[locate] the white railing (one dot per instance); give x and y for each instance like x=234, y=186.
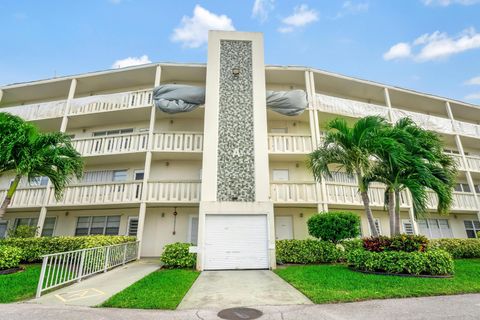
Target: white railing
x=458, y=159
x=461, y=201
x=293, y=192
x=469, y=129
x=59, y=269
x=289, y=143
x=99, y=193
x=178, y=141
x=27, y=197
x=349, y=107
x=347, y=194
x=473, y=163
x=131, y=142
x=174, y=191
x=426, y=121
x=111, y=102
x=37, y=111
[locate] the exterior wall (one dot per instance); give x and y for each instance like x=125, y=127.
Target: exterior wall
x=176, y=170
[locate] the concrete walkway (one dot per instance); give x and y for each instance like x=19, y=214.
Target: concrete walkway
x=435, y=308
x=223, y=289
x=97, y=289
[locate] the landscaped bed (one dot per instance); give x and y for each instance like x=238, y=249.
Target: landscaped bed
x=337, y=283
x=20, y=285
x=163, y=289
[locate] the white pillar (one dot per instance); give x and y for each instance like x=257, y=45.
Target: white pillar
x=41, y=221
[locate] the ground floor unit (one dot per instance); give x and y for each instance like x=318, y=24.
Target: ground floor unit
x=229, y=232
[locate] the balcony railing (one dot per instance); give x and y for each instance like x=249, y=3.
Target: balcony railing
x=111, y=102
x=174, y=191
x=468, y=129
x=458, y=159
x=473, y=163
x=100, y=193
x=293, y=192
x=461, y=201
x=178, y=141
x=132, y=142
x=38, y=111
x=27, y=197
x=289, y=143
x=349, y=107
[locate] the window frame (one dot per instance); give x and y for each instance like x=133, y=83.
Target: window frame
x=190, y=224
x=90, y=221
x=474, y=229
x=130, y=218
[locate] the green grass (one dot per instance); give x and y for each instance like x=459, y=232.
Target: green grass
x=163, y=289
x=21, y=285
x=337, y=283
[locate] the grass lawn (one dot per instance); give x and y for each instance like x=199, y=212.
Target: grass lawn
x=163, y=289
x=20, y=285
x=337, y=283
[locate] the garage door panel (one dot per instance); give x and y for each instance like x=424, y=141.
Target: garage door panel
x=236, y=242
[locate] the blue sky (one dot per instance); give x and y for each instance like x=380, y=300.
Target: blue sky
x=426, y=45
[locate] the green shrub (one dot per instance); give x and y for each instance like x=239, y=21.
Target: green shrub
x=334, y=226
x=34, y=248
x=177, y=255
x=9, y=257
x=432, y=262
x=403, y=242
x=306, y=251
x=22, y=232
x=458, y=248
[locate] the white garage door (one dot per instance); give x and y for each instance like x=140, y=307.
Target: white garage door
x=236, y=242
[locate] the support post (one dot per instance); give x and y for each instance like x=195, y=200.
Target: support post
x=82, y=262
x=41, y=219
x=107, y=258
x=42, y=277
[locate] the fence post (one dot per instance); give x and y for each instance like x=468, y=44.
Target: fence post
x=80, y=270
x=107, y=257
x=42, y=277
x=124, y=253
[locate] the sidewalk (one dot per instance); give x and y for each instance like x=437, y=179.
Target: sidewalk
x=95, y=290
x=435, y=308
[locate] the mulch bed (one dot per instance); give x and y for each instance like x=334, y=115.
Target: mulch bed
x=403, y=274
x=11, y=270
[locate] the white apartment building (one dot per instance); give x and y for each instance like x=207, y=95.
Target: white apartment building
x=229, y=176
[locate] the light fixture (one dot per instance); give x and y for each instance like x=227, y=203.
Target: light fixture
x=236, y=72
x=163, y=214
x=167, y=163
x=174, y=220
x=297, y=165
x=301, y=214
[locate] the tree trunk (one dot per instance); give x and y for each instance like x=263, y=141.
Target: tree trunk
x=391, y=211
x=9, y=195
x=397, y=212
x=368, y=212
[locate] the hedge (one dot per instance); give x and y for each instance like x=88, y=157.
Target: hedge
x=334, y=226
x=431, y=262
x=458, y=248
x=9, y=257
x=34, y=248
x=306, y=251
x=177, y=255
x=403, y=242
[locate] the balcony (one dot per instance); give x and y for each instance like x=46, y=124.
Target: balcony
x=458, y=159
x=38, y=111
x=174, y=191
x=111, y=102
x=350, y=108
x=473, y=163
x=462, y=201
x=293, y=192
x=27, y=197
x=115, y=144
x=289, y=147
x=467, y=129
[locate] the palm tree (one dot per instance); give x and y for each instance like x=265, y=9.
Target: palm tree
x=26, y=152
x=424, y=167
x=352, y=149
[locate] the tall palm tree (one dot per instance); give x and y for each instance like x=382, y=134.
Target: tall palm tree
x=26, y=152
x=424, y=167
x=352, y=149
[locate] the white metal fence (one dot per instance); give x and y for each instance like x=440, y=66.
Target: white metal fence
x=59, y=269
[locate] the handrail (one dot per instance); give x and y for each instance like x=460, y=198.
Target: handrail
x=62, y=268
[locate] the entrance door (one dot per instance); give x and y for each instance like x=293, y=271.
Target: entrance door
x=283, y=227
x=236, y=242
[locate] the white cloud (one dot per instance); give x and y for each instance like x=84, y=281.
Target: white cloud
x=473, y=81
x=438, y=45
x=130, y=61
x=473, y=96
x=262, y=8
x=398, y=51
x=193, y=31
x=446, y=3
x=300, y=17
x=349, y=7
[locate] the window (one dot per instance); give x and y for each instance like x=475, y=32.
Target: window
x=3, y=229
x=472, y=227
x=280, y=175
x=48, y=224
x=132, y=226
x=39, y=181
x=193, y=232
x=462, y=187
x=106, y=225
x=119, y=175
x=435, y=228
x=451, y=151
x=138, y=174
x=407, y=226
x=112, y=132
